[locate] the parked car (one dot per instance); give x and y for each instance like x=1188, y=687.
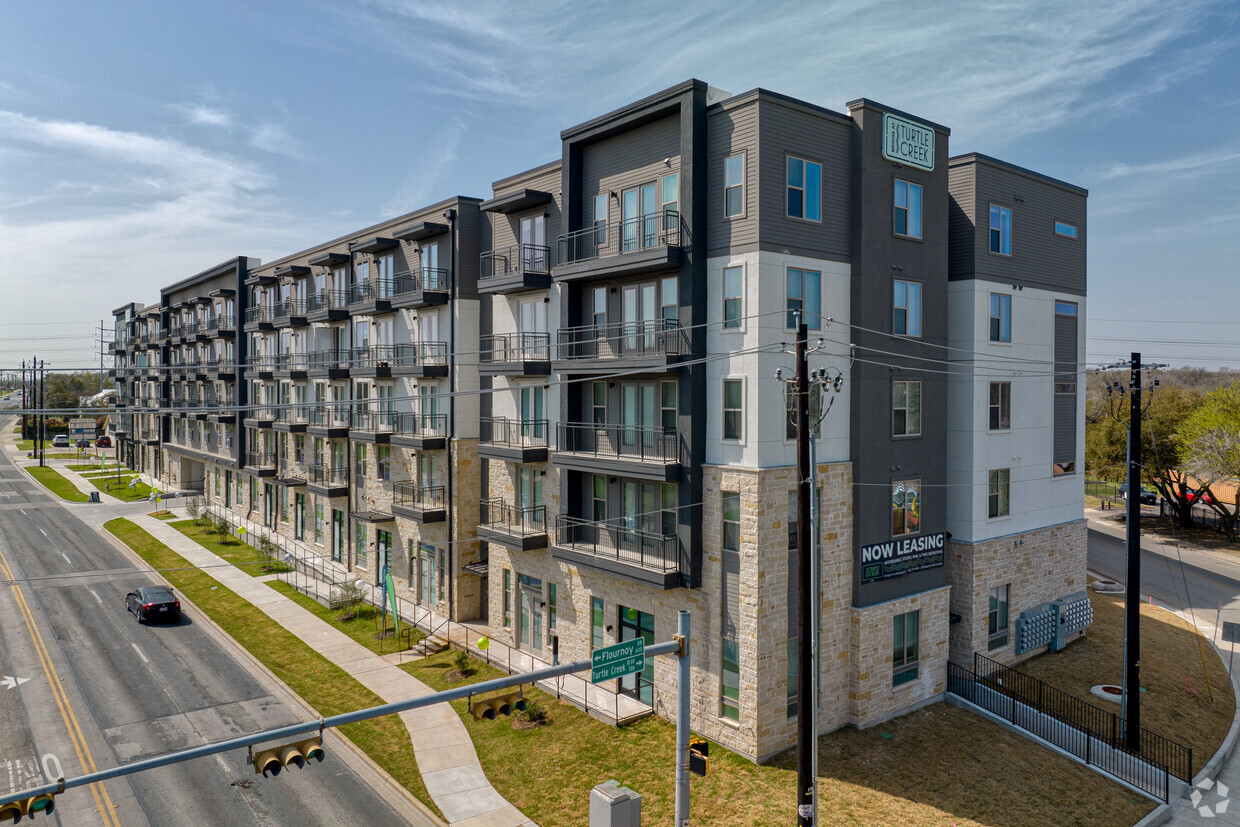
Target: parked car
x=1148, y=495
x=60, y=441
x=153, y=603
x=1196, y=495
x=104, y=441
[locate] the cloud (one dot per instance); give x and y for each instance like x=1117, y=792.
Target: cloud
x=434, y=166
x=206, y=115
x=275, y=138
x=1197, y=163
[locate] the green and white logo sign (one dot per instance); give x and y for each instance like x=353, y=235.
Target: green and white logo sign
x=906, y=142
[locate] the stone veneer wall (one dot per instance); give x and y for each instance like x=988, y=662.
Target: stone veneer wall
x=1040, y=566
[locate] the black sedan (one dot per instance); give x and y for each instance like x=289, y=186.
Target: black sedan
x=154, y=603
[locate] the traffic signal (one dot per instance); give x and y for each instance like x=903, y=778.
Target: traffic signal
x=699, y=756
x=43, y=803
x=503, y=705
x=272, y=759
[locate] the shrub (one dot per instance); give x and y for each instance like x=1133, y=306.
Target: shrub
x=222, y=529
x=461, y=661
x=534, y=712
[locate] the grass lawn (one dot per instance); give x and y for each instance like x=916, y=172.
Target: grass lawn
x=162, y=515
x=942, y=766
x=362, y=628
x=231, y=549
x=326, y=687
x=94, y=466
x=1169, y=657
x=122, y=492
x=57, y=484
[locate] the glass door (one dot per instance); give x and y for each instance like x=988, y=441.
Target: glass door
x=534, y=244
x=269, y=502
x=650, y=216
x=635, y=624
x=426, y=575
x=629, y=220
x=299, y=516
x=531, y=635
x=337, y=534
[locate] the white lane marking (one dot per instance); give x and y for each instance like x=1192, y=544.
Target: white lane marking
x=49, y=761
x=139, y=651
x=12, y=682
x=98, y=600
x=67, y=560
x=44, y=533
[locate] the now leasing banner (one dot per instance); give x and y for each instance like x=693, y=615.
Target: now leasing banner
x=907, y=554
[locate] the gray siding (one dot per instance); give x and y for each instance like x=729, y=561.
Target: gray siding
x=787, y=131
x=628, y=160
x=961, y=221
x=505, y=229
x=1040, y=258
x=1065, y=425
x=729, y=131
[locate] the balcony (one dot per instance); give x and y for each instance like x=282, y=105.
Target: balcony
x=263, y=463
x=627, y=247
x=293, y=419
x=523, y=528
x=371, y=426
x=293, y=473
x=371, y=296
x=651, y=453
x=515, y=269
x=195, y=368
x=424, y=432
x=259, y=318
x=622, y=549
x=654, y=344
x=422, y=360
x=329, y=364
x=421, y=503
x=264, y=366
x=426, y=288
x=515, y=354
x=290, y=365
x=514, y=440
x=221, y=326
x=289, y=313
x=203, y=330
x=327, y=305
x=329, y=420
x=328, y=480
x=221, y=367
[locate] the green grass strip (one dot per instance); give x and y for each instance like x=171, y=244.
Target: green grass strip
x=122, y=492
x=323, y=684
x=57, y=484
x=361, y=628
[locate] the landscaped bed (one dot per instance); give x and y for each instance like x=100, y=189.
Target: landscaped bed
x=229, y=547
x=363, y=624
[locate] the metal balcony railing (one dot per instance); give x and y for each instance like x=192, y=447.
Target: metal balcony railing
x=258, y=313
x=220, y=323
x=327, y=300
x=615, y=238
x=412, y=495
x=417, y=354
x=285, y=308
x=515, y=347
x=516, y=260
x=519, y=521
x=424, y=280
x=371, y=289
x=329, y=474
x=636, y=442
x=659, y=337
x=422, y=425
x=513, y=433
x=334, y=415
x=621, y=541
x=373, y=421
x=324, y=359
x=260, y=459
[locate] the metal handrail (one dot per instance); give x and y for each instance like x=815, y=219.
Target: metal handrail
x=327, y=300
x=419, y=281
x=371, y=289
x=424, y=425
x=657, y=337
x=519, y=521
x=615, y=238
x=515, y=433
x=260, y=459
x=515, y=347
x=329, y=474
x=515, y=260
x=620, y=542
x=421, y=496
x=639, y=442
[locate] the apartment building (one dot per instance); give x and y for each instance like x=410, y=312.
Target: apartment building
x=555, y=411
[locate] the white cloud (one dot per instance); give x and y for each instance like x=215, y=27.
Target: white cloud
x=433, y=166
x=206, y=115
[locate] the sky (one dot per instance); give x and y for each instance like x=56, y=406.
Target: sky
x=143, y=142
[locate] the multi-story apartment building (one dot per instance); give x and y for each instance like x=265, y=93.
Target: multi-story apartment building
x=555, y=412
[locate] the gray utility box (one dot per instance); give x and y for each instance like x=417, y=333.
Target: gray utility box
x=614, y=806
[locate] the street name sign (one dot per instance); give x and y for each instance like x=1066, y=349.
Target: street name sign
x=618, y=660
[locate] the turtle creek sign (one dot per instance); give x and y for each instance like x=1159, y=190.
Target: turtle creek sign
x=906, y=142
x=618, y=660
x=903, y=556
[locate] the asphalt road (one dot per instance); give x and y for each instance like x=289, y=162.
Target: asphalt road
x=97, y=689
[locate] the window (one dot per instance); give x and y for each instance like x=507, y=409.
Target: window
x=1000, y=230
x=904, y=648
x=906, y=219
x=804, y=293
x=730, y=681
x=361, y=546
x=732, y=305
x=733, y=420
x=1000, y=318
x=1065, y=229
x=596, y=623
x=320, y=522
x=905, y=507
x=906, y=308
x=361, y=462
x=600, y=307
x=384, y=453
x=804, y=189
x=731, y=520
x=550, y=611
x=906, y=408
x=997, y=617
x=598, y=407
x=1000, y=485
x=1000, y=406
x=671, y=201
x=507, y=598
x=667, y=406
x=600, y=219
x=734, y=185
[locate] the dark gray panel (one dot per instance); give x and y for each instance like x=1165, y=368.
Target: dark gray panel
x=505, y=229
x=631, y=158
x=729, y=131
x=1065, y=427
x=786, y=131
x=468, y=249
x=1066, y=344
x=961, y=221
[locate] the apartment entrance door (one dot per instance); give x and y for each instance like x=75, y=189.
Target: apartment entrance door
x=635, y=624
x=337, y=534
x=530, y=590
x=426, y=575
x=269, y=505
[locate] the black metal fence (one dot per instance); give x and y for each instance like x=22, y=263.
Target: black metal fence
x=1087, y=731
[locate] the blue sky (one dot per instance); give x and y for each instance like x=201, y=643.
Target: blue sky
x=141, y=142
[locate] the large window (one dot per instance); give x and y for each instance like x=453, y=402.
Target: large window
x=997, y=617
x=905, y=507
x=805, y=294
x=600, y=219
x=906, y=308
x=596, y=623
x=733, y=306
x=906, y=408
x=734, y=185
x=384, y=453
x=730, y=681
x=507, y=598
x=1000, y=317
x=363, y=558
x=731, y=520
x=733, y=413
x=1000, y=230
x=1000, y=490
x=804, y=189
x=1000, y=406
x=907, y=214
x=904, y=647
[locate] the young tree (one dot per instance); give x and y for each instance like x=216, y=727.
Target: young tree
x=1210, y=440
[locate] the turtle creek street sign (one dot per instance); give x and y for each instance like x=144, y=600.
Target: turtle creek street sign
x=618, y=660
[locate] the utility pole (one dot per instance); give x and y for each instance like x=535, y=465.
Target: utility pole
x=1132, y=597
x=42, y=403
x=807, y=743
x=25, y=400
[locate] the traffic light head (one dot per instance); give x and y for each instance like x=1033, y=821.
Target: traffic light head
x=483, y=711
x=43, y=803
x=489, y=710
x=273, y=759
x=517, y=702
x=699, y=756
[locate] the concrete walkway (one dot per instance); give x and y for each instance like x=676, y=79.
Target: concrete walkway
x=444, y=751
